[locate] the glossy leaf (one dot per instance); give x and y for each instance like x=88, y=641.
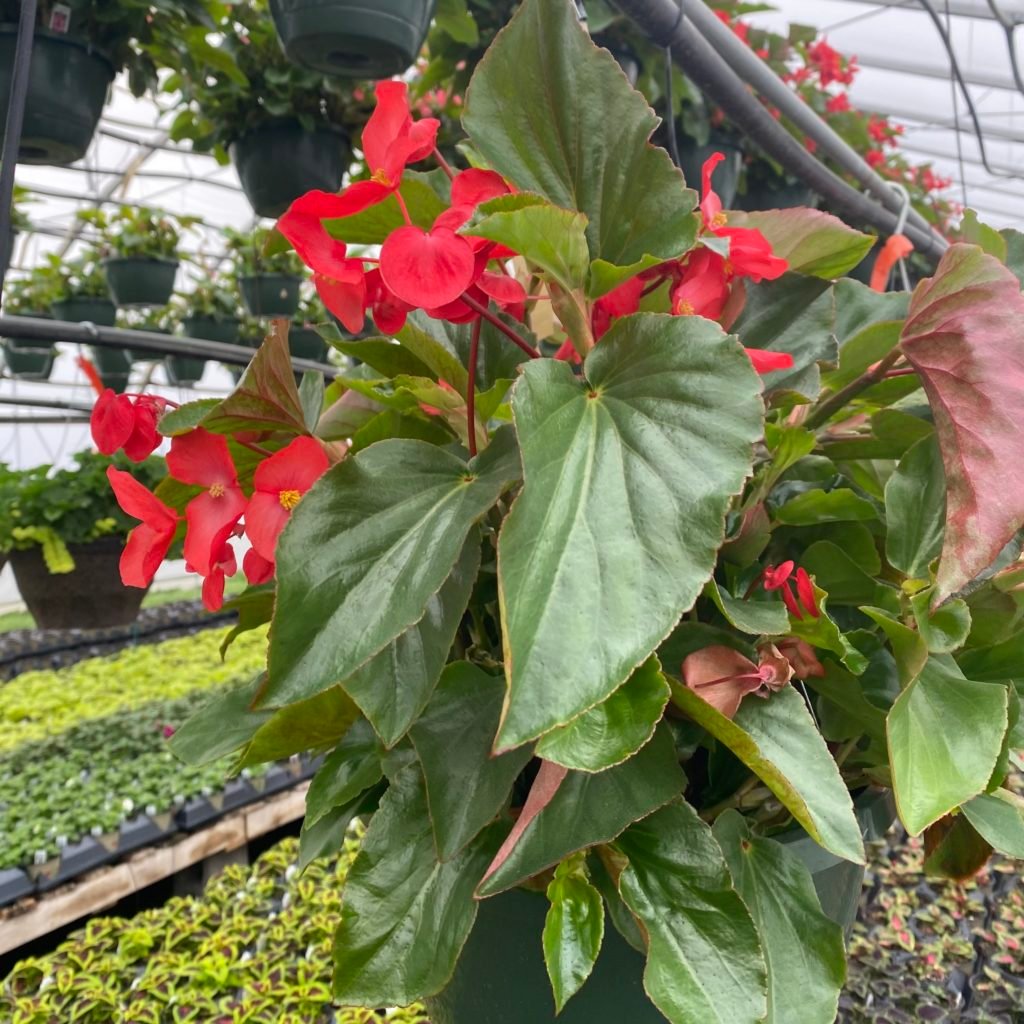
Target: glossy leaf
x=704, y=960
x=778, y=741
x=998, y=661
x=840, y=575
x=545, y=59
x=908, y=646
x=803, y=948
x=220, y=726
x=945, y=734
x=755, y=617
x=915, y=509
x=954, y=849
x=573, y=931
x=962, y=335
x=667, y=402
x=588, y=809
x=999, y=818
x=613, y=731
x=419, y=337
x=813, y=507
x=812, y=242
x=352, y=767
x=384, y=529
x=466, y=787
x=393, y=687
x=404, y=914
x=945, y=629
x=326, y=836
x=255, y=606
x=186, y=417
x=385, y=356
x=822, y=631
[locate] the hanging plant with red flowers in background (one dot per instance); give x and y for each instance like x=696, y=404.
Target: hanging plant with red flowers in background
x=638, y=539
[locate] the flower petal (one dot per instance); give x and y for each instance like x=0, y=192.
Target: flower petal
x=144, y=438
x=389, y=120
x=344, y=296
x=143, y=552
x=296, y=467
x=256, y=568
x=426, y=268
x=475, y=186
x=211, y=520
x=111, y=422
x=767, y=362
x=265, y=518
x=710, y=204
x=202, y=458
x=139, y=502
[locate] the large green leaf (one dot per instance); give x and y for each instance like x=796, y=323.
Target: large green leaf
x=704, y=960
x=945, y=735
x=352, y=767
x=999, y=818
x=616, y=729
x=813, y=242
x=814, y=507
x=220, y=726
x=405, y=915
x=577, y=134
x=999, y=661
x=779, y=742
x=366, y=549
x=466, y=787
x=915, y=509
x=393, y=687
x=588, y=809
x=803, y=948
x=755, y=617
x=589, y=583
x=962, y=335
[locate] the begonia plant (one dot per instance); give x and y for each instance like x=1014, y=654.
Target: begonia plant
x=638, y=540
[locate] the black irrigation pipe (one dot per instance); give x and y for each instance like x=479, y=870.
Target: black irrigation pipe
x=28, y=328
x=664, y=22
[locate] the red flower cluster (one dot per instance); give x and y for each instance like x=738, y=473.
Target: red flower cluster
x=830, y=64
x=214, y=516
x=128, y=422
x=804, y=602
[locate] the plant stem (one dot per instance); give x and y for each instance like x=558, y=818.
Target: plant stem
x=826, y=409
x=443, y=164
x=474, y=348
x=401, y=203
x=737, y=799
x=258, y=449
x=497, y=322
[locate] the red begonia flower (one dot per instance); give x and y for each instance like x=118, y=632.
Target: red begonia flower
x=801, y=656
x=475, y=186
x=213, y=585
x=111, y=422
x=148, y=543
x=145, y=438
x=256, y=568
x=767, y=362
x=774, y=576
x=703, y=289
x=389, y=311
x=710, y=203
x=202, y=458
x=620, y=301
x=302, y=225
x=345, y=296
x=567, y=353
x=805, y=591
x=279, y=483
x=426, y=268
x=896, y=248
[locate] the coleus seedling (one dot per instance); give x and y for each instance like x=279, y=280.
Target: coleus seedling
x=726, y=598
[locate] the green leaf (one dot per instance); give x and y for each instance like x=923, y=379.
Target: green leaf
x=372, y=226
x=908, y=646
x=326, y=836
x=704, y=961
x=466, y=787
x=837, y=573
x=393, y=687
x=976, y=232
x=758, y=618
x=186, y=417
x=915, y=509
x=351, y=768
x=390, y=423
x=548, y=236
x=453, y=18
x=813, y=242
x=803, y=948
x=954, y=849
x=945, y=734
x=386, y=526
x=944, y=629
x=546, y=60
x=220, y=726
x=405, y=915
x=591, y=808
x=255, y=606
x=1014, y=252
x=999, y=818
x=428, y=344
x=999, y=661
x=385, y=356
x=813, y=507
x=615, y=729
x=666, y=401
x=311, y=397
x=779, y=742
x=844, y=691
x=266, y=397
x=824, y=633
x=573, y=931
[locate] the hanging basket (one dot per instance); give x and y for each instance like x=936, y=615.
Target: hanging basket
x=28, y=360
x=114, y=366
x=93, y=309
x=184, y=371
x=90, y=597
x=306, y=343
x=779, y=197
x=67, y=88
x=140, y=282
x=358, y=38
x=270, y=294
x=280, y=162
x=208, y=328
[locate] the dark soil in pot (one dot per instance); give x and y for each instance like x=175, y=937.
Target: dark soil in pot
x=270, y=294
x=67, y=90
x=86, y=309
x=140, y=282
x=90, y=597
x=280, y=162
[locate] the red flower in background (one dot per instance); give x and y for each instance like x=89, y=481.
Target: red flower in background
x=768, y=362
x=838, y=104
x=804, y=602
x=202, y=458
x=279, y=483
x=703, y=288
x=120, y=421
x=149, y=542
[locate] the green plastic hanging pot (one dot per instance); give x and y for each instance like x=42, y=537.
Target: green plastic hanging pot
x=501, y=978
x=184, y=371
x=208, y=328
x=306, y=343
x=270, y=294
x=29, y=360
x=93, y=309
x=726, y=178
x=282, y=161
x=140, y=282
x=114, y=366
x=358, y=38
x=67, y=88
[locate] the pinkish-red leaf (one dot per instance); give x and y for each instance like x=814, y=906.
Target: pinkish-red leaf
x=549, y=777
x=963, y=336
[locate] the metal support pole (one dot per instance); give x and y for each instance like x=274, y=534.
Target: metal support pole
x=15, y=118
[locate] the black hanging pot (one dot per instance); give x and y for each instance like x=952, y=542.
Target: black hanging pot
x=282, y=161
x=90, y=597
x=135, y=281
x=358, y=38
x=94, y=309
x=306, y=343
x=777, y=197
x=114, y=366
x=29, y=360
x=209, y=328
x=270, y=294
x=501, y=978
x=67, y=88
x=184, y=371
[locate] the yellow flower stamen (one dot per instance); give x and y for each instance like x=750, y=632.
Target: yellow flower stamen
x=684, y=308
x=381, y=178
x=288, y=499
x=217, y=490
x=720, y=219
